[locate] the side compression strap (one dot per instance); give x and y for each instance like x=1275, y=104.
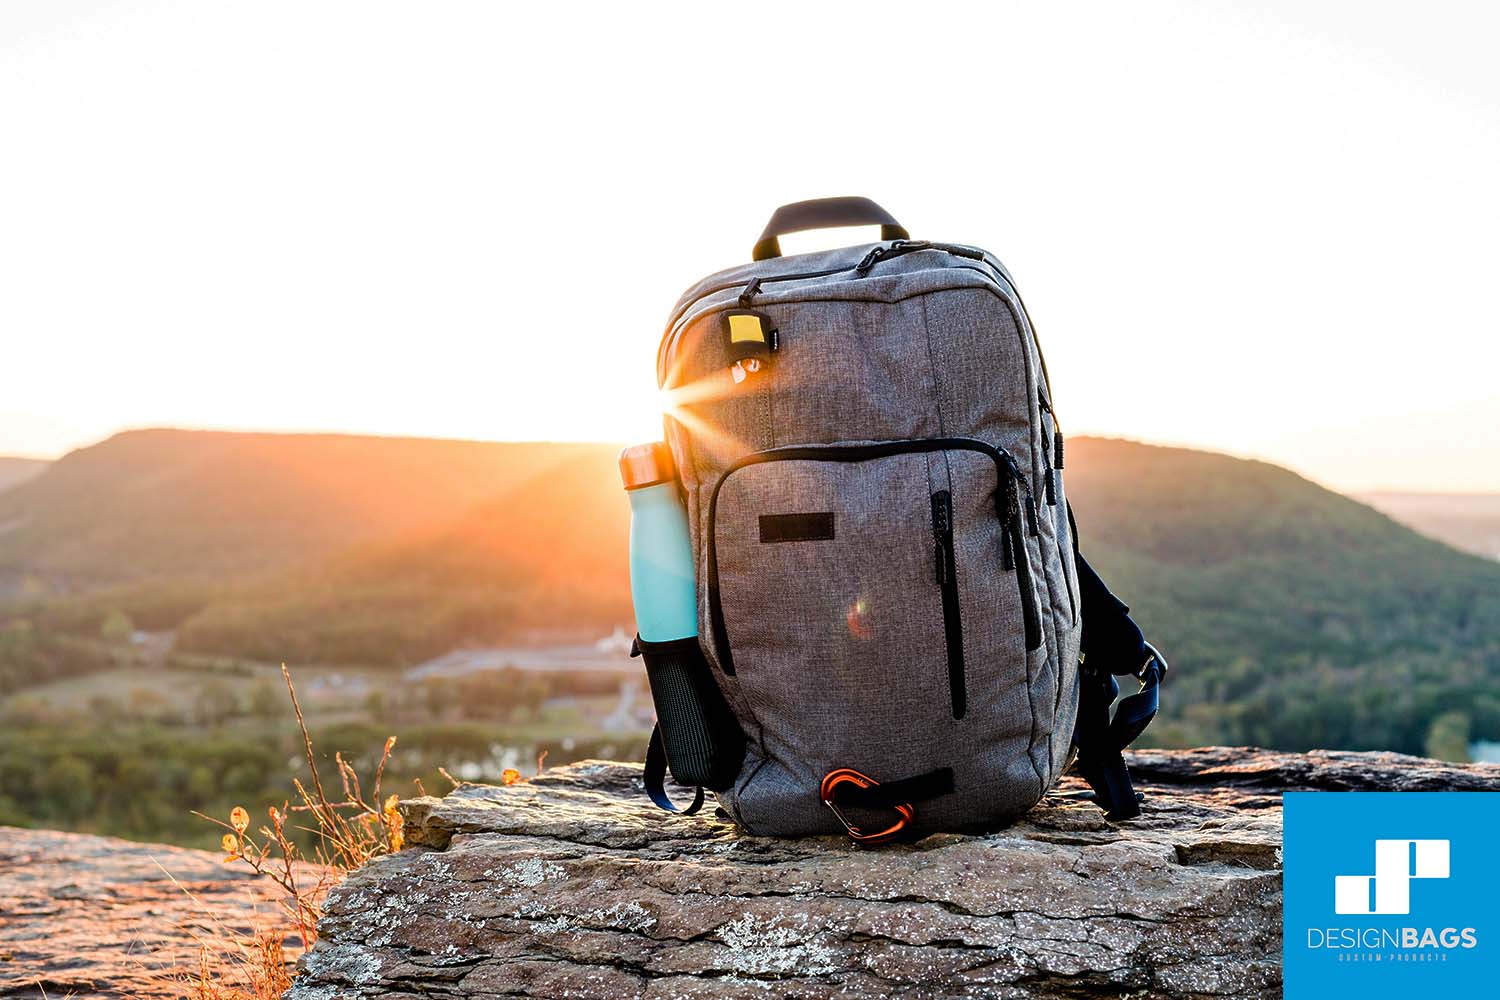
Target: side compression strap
x=1100, y=740
x=656, y=776
x=1112, y=644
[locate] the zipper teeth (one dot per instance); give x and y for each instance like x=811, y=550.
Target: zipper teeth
x=1010, y=518
x=764, y=280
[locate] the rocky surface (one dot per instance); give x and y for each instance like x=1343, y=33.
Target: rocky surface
x=85, y=916
x=573, y=885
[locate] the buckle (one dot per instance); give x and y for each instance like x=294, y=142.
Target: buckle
x=828, y=791
x=1153, y=655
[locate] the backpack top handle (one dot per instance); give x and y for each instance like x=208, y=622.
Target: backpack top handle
x=825, y=213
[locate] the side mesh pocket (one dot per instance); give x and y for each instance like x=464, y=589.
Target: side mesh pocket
x=702, y=737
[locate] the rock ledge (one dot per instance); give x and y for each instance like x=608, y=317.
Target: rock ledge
x=573, y=885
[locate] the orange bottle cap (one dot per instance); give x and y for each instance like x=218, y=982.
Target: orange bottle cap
x=647, y=465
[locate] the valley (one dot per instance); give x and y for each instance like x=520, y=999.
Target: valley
x=472, y=599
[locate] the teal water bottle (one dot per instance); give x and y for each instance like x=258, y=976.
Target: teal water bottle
x=696, y=734
x=662, y=585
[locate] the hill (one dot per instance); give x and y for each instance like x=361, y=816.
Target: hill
x=1298, y=617
x=1295, y=617
x=156, y=504
x=14, y=471
x=1466, y=521
x=548, y=554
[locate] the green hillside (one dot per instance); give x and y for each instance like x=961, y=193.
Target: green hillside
x=1296, y=617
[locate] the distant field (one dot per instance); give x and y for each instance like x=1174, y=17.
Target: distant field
x=195, y=692
x=1467, y=521
x=132, y=750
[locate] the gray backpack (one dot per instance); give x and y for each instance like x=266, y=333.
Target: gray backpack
x=888, y=597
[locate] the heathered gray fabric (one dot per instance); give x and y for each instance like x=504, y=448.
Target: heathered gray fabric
x=839, y=646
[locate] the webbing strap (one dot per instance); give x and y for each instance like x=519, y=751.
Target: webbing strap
x=655, y=778
x=1101, y=739
x=888, y=794
x=1108, y=776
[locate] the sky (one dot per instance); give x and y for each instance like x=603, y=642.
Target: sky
x=1265, y=229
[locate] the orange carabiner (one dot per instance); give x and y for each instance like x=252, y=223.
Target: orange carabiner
x=905, y=812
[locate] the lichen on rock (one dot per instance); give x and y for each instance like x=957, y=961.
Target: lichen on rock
x=573, y=885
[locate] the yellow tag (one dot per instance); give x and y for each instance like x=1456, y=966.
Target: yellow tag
x=745, y=327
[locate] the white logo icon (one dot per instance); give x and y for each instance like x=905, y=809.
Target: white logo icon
x=1397, y=862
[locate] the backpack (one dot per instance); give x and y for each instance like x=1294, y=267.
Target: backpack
x=889, y=597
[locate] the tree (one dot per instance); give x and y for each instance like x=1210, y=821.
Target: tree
x=116, y=627
x=1448, y=737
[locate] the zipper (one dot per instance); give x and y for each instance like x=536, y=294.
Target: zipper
x=901, y=247
x=861, y=269
x=748, y=283
x=1007, y=510
x=947, y=578
x=1054, y=463
x=1049, y=466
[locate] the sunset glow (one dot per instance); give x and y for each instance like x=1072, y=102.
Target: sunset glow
x=405, y=272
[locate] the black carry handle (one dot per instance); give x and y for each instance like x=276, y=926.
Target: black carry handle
x=825, y=213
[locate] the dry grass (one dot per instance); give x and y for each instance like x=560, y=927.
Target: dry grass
x=348, y=830
x=233, y=966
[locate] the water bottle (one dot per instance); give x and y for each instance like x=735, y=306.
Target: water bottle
x=698, y=733
x=662, y=584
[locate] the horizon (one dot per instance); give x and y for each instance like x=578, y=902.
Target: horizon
x=604, y=442
x=1267, y=232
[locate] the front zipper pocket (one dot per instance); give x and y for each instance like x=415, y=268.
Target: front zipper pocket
x=1006, y=514
x=947, y=578
x=875, y=603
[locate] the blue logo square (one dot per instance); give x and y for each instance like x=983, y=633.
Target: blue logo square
x=1390, y=894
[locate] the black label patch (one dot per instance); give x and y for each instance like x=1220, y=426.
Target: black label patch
x=796, y=527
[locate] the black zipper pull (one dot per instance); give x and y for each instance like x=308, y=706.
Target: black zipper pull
x=873, y=257
x=1010, y=522
x=751, y=290
x=942, y=531
x=1049, y=484
x=1057, y=449
x=1031, y=528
